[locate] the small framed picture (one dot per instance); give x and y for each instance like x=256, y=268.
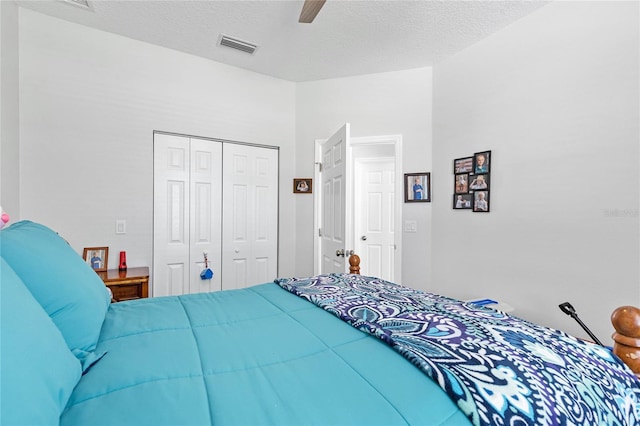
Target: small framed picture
x=481, y=162
x=417, y=187
x=463, y=165
x=462, y=183
x=479, y=182
x=303, y=186
x=462, y=201
x=481, y=201
x=96, y=257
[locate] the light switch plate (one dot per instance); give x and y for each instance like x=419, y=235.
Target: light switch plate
x=410, y=226
x=121, y=226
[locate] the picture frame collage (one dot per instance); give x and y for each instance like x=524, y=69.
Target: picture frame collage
x=472, y=182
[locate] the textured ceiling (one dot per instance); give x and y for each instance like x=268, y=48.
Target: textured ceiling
x=347, y=37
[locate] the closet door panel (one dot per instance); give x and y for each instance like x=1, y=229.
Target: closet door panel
x=174, y=278
x=202, y=223
x=265, y=236
x=237, y=221
x=205, y=217
x=250, y=225
x=263, y=270
x=170, y=215
x=236, y=249
x=262, y=220
x=238, y=275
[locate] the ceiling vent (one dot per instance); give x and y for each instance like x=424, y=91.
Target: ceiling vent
x=237, y=44
x=85, y=4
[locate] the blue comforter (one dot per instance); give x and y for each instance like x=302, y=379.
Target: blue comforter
x=497, y=368
x=245, y=357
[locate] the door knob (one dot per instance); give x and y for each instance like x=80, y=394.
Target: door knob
x=340, y=252
x=363, y=238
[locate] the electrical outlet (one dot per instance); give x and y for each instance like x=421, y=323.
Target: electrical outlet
x=121, y=226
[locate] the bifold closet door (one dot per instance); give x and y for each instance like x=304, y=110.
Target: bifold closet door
x=250, y=215
x=187, y=214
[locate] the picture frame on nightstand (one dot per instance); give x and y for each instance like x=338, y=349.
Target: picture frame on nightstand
x=96, y=257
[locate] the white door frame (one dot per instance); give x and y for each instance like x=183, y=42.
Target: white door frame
x=396, y=141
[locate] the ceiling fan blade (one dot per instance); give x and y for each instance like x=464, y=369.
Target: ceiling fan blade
x=309, y=10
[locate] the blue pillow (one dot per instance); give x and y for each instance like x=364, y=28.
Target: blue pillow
x=66, y=287
x=38, y=370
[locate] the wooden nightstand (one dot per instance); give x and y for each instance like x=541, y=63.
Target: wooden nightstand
x=126, y=285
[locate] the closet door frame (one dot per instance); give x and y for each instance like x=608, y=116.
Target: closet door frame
x=197, y=181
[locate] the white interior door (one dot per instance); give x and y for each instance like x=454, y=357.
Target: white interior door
x=375, y=216
x=333, y=193
x=250, y=215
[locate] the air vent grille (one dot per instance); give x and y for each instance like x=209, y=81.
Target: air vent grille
x=85, y=4
x=237, y=44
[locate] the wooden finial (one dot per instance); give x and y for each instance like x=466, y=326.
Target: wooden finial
x=354, y=262
x=626, y=321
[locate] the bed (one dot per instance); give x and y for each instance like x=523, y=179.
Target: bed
x=335, y=349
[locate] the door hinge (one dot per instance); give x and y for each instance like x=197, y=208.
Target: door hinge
x=319, y=167
x=319, y=232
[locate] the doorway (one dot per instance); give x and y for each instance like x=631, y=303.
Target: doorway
x=374, y=204
x=383, y=254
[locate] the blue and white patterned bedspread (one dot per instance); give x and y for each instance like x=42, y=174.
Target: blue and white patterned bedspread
x=500, y=370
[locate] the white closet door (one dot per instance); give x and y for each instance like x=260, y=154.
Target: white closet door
x=171, y=162
x=250, y=215
x=206, y=215
x=187, y=217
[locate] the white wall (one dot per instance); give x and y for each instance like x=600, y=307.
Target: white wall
x=9, y=106
x=89, y=103
x=555, y=97
x=374, y=104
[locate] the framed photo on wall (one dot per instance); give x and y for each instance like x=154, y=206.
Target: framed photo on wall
x=462, y=201
x=303, y=186
x=462, y=183
x=96, y=257
x=463, y=165
x=417, y=187
x=482, y=162
x=481, y=201
x=479, y=182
